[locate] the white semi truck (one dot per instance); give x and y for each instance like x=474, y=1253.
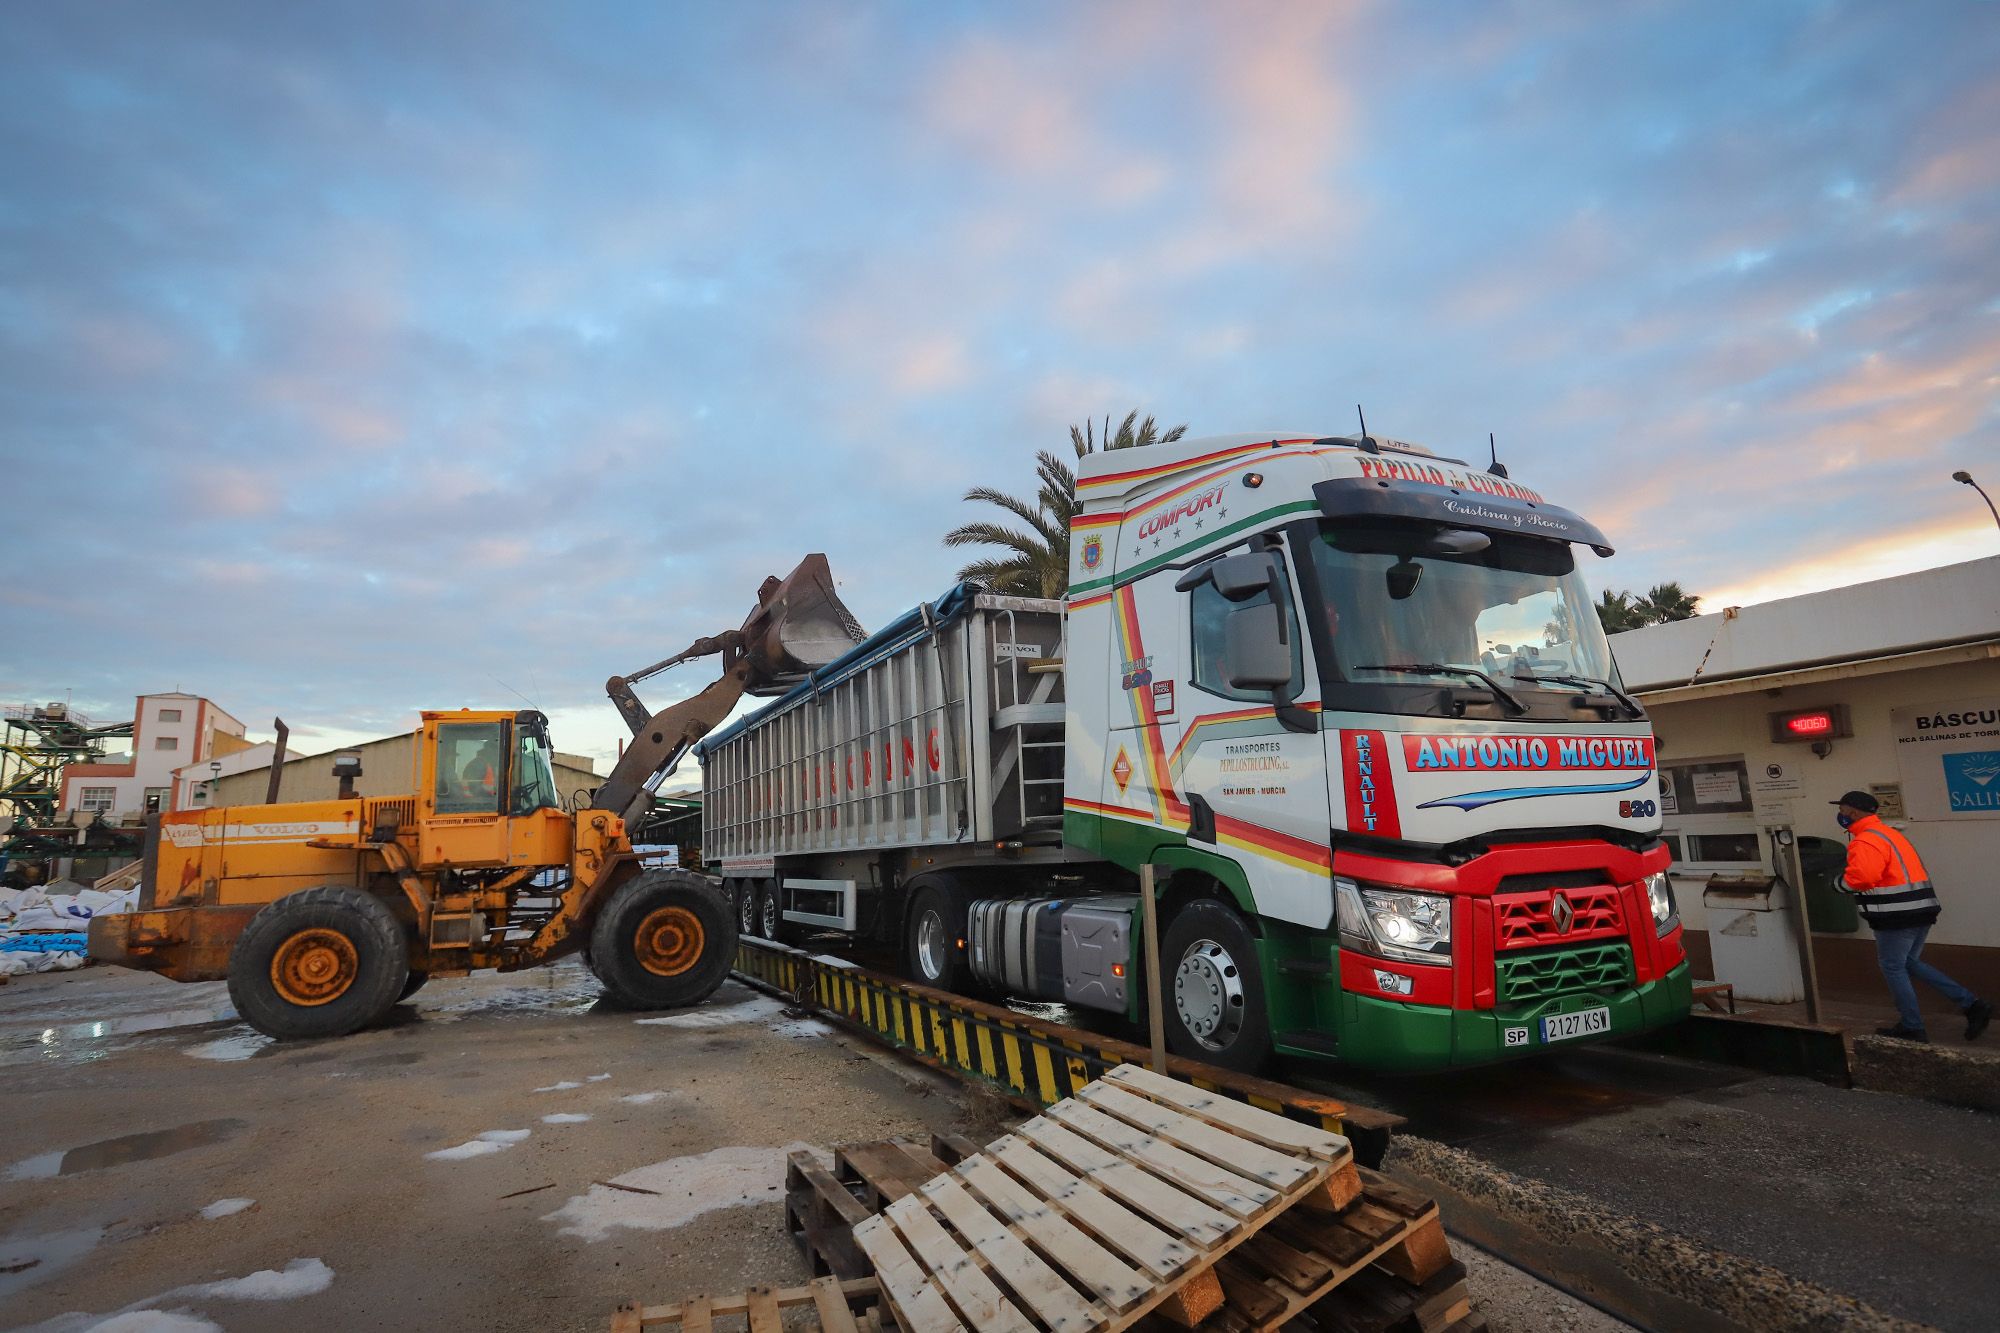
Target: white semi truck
x=1349, y=698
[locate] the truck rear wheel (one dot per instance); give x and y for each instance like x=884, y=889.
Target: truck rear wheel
x=770, y=909
x=320, y=963
x=1213, y=1000
x=666, y=939
x=933, y=935
x=746, y=907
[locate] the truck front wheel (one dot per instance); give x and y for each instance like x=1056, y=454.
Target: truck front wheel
x=666, y=939
x=1214, y=991
x=320, y=963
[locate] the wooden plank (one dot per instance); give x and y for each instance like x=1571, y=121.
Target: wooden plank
x=1047, y=1294
x=627, y=1318
x=1203, y=1179
x=1395, y=1196
x=1341, y=1188
x=1274, y=1168
x=953, y=1148
x=1296, y=1268
x=694, y=1316
x=886, y=1168
x=1273, y=1131
x=916, y=1304
x=1195, y=1299
x=820, y=1180
x=968, y=1287
x=1419, y=1254
x=1246, y=1293
x=763, y=1312
x=1117, y=1284
x=831, y=1306
x=1153, y=1249
x=1172, y=1208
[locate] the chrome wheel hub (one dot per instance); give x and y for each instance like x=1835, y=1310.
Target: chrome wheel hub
x=932, y=955
x=746, y=911
x=1208, y=995
x=772, y=914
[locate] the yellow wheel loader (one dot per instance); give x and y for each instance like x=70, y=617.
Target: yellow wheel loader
x=322, y=914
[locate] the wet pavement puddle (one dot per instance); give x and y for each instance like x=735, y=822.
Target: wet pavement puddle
x=128, y=1148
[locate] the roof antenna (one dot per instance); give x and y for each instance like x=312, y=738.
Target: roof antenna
x=1496, y=467
x=1367, y=444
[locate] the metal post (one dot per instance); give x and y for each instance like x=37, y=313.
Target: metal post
x=277, y=761
x=1149, y=914
x=1793, y=872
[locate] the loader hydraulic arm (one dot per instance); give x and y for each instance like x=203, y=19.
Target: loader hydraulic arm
x=798, y=626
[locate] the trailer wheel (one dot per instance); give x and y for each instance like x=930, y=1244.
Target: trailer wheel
x=1213, y=990
x=319, y=963
x=771, y=910
x=746, y=907
x=933, y=936
x=666, y=939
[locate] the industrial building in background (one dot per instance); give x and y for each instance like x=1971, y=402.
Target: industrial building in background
x=386, y=766
x=1765, y=714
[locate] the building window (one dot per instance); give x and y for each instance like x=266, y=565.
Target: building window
x=157, y=799
x=1707, y=804
x=170, y=715
x=166, y=742
x=97, y=800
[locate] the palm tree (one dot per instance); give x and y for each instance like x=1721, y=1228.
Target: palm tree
x=1035, y=560
x=1616, y=612
x=1667, y=602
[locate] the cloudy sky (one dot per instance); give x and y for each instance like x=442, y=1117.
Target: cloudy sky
x=356, y=359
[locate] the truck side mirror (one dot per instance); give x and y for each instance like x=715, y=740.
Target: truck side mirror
x=1255, y=652
x=1238, y=577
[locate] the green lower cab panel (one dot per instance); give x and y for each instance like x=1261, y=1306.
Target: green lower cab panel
x=1411, y=1038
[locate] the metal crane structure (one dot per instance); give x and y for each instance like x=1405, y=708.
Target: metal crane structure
x=37, y=742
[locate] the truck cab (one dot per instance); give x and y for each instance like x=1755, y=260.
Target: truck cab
x=1353, y=702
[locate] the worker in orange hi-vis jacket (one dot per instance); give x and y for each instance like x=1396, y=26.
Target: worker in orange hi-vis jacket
x=1900, y=905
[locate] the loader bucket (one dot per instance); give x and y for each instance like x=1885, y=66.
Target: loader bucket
x=799, y=626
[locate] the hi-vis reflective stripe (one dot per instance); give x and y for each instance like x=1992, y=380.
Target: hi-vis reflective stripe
x=1891, y=901
x=1024, y=1058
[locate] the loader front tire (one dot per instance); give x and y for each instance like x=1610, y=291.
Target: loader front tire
x=319, y=963
x=666, y=939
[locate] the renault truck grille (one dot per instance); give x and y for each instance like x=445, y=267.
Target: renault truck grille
x=1551, y=972
x=1556, y=916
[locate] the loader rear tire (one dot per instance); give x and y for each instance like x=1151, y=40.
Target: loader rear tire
x=666, y=939
x=413, y=985
x=319, y=963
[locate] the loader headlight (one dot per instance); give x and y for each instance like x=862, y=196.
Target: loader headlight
x=1661, y=894
x=1393, y=923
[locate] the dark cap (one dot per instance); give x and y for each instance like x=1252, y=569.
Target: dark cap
x=1860, y=800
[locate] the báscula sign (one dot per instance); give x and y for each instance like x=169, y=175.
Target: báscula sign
x=1949, y=752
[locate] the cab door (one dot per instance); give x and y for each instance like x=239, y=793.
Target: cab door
x=1255, y=781
x=464, y=793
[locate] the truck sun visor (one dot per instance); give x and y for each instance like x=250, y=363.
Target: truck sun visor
x=1484, y=505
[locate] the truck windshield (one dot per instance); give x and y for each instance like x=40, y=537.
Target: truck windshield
x=1396, y=611
x=534, y=779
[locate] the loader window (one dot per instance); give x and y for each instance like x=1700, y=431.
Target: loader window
x=470, y=768
x=534, y=782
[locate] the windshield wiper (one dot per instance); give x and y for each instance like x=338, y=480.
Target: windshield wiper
x=1440, y=669
x=1630, y=704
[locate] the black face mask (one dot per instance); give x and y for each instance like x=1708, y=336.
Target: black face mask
x=1846, y=820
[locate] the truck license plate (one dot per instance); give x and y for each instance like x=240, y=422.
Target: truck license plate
x=1582, y=1023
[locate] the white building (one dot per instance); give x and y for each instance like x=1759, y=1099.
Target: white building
x=1765, y=714
x=170, y=732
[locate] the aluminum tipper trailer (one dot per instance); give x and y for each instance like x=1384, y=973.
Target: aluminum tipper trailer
x=1351, y=701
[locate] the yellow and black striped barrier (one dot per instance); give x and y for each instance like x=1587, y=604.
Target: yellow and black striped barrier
x=1031, y=1062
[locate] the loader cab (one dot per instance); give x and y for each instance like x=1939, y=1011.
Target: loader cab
x=486, y=791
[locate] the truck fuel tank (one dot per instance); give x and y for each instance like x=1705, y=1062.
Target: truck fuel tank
x=1079, y=951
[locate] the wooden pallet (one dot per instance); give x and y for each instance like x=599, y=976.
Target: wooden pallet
x=824, y=1303
x=1301, y=1258
x=1135, y=1190
x=822, y=1206
x=1373, y=1301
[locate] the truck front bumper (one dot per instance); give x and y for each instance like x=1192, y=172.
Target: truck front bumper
x=1397, y=1037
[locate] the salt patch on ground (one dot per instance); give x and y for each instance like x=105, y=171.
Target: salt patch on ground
x=39, y=1167
x=648, y=1098
x=492, y=1141
x=801, y=1027
x=598, y=1078
x=563, y=1086
x=155, y=1321
x=226, y=1208
x=300, y=1277
x=565, y=1118
x=683, y=1188
x=749, y=1011
x=25, y=1260
x=235, y=1046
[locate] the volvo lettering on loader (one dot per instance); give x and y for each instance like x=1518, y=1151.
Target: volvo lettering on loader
x=1349, y=699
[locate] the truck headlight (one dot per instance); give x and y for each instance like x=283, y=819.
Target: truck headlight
x=1393, y=923
x=1661, y=894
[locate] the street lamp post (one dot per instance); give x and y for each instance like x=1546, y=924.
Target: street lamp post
x=1966, y=477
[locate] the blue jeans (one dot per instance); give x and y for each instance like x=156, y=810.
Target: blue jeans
x=1900, y=952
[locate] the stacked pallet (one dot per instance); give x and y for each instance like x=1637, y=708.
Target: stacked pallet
x=1142, y=1202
